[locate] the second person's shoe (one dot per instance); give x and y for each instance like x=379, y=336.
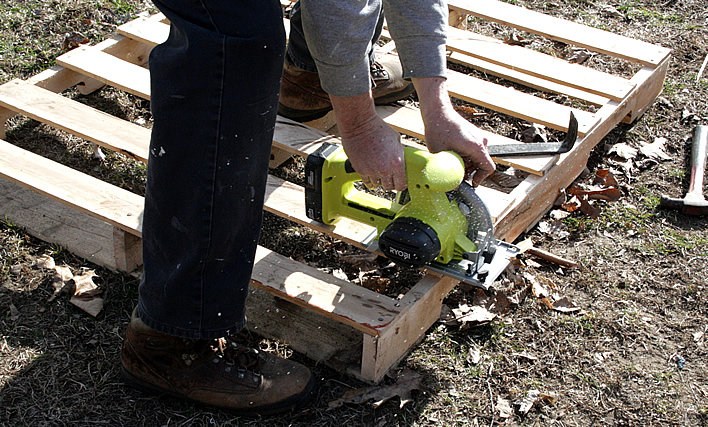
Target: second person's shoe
x=303, y=99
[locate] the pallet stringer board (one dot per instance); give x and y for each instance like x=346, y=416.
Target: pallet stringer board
x=422, y=306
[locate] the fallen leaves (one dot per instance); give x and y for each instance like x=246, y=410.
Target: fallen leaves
x=655, y=150
x=651, y=153
x=73, y=40
x=407, y=381
x=85, y=294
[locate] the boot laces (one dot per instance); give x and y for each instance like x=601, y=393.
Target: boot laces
x=378, y=71
x=224, y=349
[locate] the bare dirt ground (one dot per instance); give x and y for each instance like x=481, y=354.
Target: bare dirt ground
x=632, y=353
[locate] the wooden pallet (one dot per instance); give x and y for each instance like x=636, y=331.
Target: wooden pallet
x=350, y=328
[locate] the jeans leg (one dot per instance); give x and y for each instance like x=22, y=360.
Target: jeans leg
x=214, y=99
x=298, y=52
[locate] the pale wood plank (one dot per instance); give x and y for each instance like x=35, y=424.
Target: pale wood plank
x=338, y=299
x=563, y=30
x=538, y=64
x=76, y=118
x=86, y=194
x=318, y=337
x=421, y=309
x=53, y=222
x=517, y=104
x=525, y=79
x=106, y=68
x=151, y=30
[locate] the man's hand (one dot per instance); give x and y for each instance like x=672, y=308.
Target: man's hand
x=446, y=130
x=372, y=146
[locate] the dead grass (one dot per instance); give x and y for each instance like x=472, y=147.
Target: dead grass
x=636, y=354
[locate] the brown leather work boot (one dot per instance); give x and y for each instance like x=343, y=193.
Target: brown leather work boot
x=213, y=372
x=303, y=99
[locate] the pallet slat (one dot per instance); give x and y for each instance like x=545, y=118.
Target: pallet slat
x=563, y=30
x=90, y=195
x=537, y=64
x=74, y=117
x=108, y=69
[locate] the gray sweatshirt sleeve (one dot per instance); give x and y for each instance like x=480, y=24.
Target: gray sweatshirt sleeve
x=339, y=34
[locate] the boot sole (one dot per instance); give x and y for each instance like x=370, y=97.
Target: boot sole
x=309, y=115
x=286, y=405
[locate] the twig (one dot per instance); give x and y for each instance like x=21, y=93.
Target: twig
x=527, y=246
x=491, y=395
x=703, y=67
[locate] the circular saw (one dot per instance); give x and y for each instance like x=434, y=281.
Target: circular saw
x=438, y=223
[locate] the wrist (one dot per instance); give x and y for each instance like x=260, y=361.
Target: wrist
x=435, y=104
x=354, y=114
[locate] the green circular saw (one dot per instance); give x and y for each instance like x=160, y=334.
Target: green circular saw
x=439, y=222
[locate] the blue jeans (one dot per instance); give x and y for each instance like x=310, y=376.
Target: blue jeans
x=214, y=86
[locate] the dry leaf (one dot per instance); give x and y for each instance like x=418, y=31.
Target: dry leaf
x=537, y=289
x=547, y=303
x=14, y=312
x=85, y=294
x=609, y=194
x=534, y=133
x=579, y=56
x=571, y=205
x=496, y=303
x=73, y=40
x=624, y=151
x=475, y=313
x=605, y=178
x=564, y=305
x=558, y=214
x=555, y=229
x=469, y=113
x=608, y=10
x=45, y=262
x=588, y=209
x=526, y=403
x=60, y=281
x=514, y=40
x=84, y=284
x=407, y=381
x=339, y=274
x=503, y=407
x=475, y=355
x=16, y=269
x=551, y=399
x=655, y=150
x=375, y=283
x=91, y=305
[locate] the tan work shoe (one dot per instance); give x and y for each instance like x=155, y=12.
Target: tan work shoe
x=213, y=372
x=303, y=99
